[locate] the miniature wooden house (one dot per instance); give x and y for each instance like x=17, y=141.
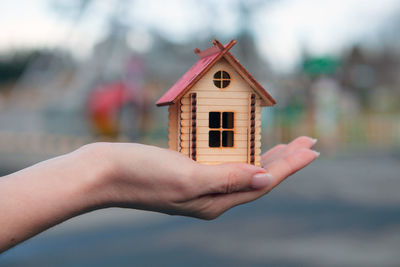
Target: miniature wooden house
x=214, y=109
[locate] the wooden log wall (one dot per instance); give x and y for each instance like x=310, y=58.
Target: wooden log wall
x=173, y=127
x=234, y=98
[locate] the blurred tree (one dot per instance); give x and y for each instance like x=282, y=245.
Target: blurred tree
x=12, y=67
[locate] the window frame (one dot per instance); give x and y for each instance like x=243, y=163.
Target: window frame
x=221, y=130
x=222, y=79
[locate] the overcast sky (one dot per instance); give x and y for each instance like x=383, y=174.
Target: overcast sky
x=282, y=28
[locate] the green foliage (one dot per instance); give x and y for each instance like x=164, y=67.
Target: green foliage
x=320, y=65
x=292, y=113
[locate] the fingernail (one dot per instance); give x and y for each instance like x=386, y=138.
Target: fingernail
x=314, y=140
x=261, y=180
x=316, y=153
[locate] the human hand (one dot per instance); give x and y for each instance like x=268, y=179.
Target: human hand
x=157, y=179
x=136, y=176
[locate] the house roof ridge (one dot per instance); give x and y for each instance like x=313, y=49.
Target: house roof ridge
x=216, y=48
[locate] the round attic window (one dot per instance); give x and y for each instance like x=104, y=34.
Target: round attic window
x=222, y=79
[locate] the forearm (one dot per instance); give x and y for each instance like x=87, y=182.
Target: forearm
x=48, y=193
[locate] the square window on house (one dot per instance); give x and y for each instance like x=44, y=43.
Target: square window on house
x=214, y=120
x=214, y=138
x=218, y=136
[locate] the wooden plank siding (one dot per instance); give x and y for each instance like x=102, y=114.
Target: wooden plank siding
x=204, y=144
x=204, y=130
x=204, y=116
x=204, y=123
x=204, y=137
x=173, y=127
x=221, y=152
x=234, y=98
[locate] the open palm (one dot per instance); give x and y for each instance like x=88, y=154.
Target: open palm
x=158, y=179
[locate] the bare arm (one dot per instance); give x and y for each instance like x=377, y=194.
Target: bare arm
x=135, y=176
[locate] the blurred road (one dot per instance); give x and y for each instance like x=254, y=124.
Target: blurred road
x=336, y=212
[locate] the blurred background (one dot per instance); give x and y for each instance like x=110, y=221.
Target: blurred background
x=79, y=71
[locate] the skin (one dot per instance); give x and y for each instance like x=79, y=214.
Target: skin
x=136, y=176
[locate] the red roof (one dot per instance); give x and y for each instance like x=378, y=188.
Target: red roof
x=208, y=58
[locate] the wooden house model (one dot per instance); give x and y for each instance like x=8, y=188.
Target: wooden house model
x=214, y=109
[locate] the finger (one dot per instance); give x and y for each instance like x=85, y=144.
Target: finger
x=291, y=163
x=299, y=142
x=227, y=178
x=279, y=170
x=273, y=151
x=272, y=156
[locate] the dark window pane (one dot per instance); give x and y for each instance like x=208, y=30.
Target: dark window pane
x=214, y=138
x=217, y=75
x=225, y=75
x=214, y=119
x=217, y=83
x=225, y=83
x=227, y=120
x=227, y=138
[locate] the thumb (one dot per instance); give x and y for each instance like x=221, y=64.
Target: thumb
x=233, y=177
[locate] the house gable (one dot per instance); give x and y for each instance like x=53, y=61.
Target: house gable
x=237, y=88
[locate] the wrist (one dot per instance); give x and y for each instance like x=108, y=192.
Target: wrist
x=95, y=174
